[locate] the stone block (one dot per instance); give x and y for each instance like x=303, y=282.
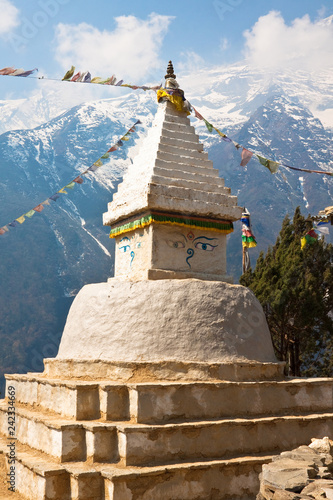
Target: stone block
x=114, y=402
x=101, y=443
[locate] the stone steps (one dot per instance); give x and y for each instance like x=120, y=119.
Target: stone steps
x=185, y=167
x=169, y=133
x=163, y=402
x=191, y=176
x=191, y=194
x=176, y=150
x=37, y=477
x=206, y=209
x=146, y=444
x=190, y=184
x=176, y=443
x=62, y=439
x=187, y=160
x=184, y=144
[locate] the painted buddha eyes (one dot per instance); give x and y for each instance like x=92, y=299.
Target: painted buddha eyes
x=205, y=246
x=176, y=244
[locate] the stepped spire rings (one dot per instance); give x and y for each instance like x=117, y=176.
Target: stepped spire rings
x=170, y=71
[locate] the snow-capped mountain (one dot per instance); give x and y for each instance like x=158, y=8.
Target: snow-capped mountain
x=46, y=260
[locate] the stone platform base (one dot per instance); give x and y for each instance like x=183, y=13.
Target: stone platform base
x=162, y=370
x=86, y=438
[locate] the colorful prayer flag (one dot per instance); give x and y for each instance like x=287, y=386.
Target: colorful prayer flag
x=272, y=166
x=39, y=208
x=69, y=74
x=246, y=157
x=309, y=238
x=78, y=180
x=30, y=214
x=54, y=197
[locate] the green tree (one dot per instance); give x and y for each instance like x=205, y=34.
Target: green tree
x=295, y=288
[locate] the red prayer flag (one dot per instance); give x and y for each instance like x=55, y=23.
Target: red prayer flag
x=2, y=231
x=246, y=157
x=78, y=180
x=39, y=208
x=114, y=148
x=198, y=115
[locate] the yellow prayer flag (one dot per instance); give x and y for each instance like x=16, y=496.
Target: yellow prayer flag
x=96, y=79
x=21, y=219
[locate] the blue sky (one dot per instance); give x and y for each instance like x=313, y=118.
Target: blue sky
x=135, y=39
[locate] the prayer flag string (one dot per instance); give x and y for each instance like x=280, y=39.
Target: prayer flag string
x=84, y=77
x=70, y=185
x=246, y=154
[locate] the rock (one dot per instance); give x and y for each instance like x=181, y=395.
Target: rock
x=288, y=474
x=324, y=445
x=316, y=489
x=286, y=495
x=329, y=493
x=302, y=453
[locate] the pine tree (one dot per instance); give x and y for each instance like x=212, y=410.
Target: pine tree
x=295, y=288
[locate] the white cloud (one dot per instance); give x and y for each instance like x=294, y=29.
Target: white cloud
x=9, y=18
x=224, y=44
x=190, y=61
x=131, y=50
x=272, y=44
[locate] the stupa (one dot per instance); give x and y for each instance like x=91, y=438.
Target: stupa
x=165, y=385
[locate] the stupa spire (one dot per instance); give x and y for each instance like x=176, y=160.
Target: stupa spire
x=171, y=213
x=170, y=71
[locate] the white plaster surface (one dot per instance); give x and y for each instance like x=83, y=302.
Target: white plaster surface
x=181, y=320
x=171, y=149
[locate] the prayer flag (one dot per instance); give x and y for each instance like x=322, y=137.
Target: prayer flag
x=272, y=166
x=198, y=115
x=30, y=214
x=69, y=74
x=26, y=73
x=6, y=71
x=70, y=185
x=2, y=231
x=93, y=168
x=78, y=180
x=39, y=208
x=124, y=138
x=119, y=83
x=309, y=238
x=54, y=197
x=120, y=142
x=137, y=122
x=87, y=78
x=105, y=156
x=114, y=148
x=13, y=224
x=76, y=77
x=21, y=219
x=208, y=125
x=62, y=190
x=96, y=79
x=246, y=157
x=322, y=227
x=46, y=202
x=237, y=146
